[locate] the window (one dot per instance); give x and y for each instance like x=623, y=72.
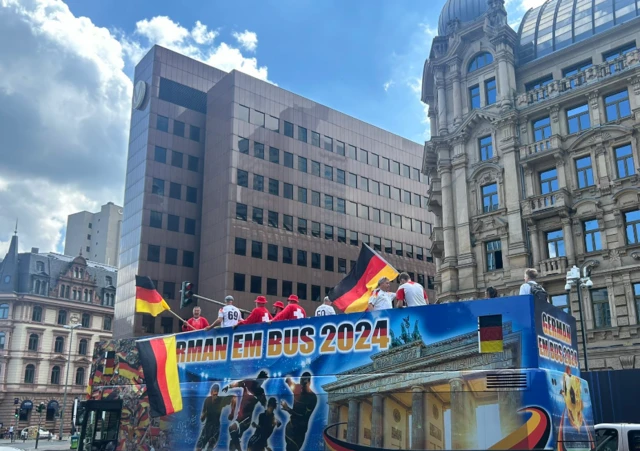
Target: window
x=561, y=301
x=287, y=288
x=416, y=225
x=36, y=314
x=258, y=150
x=352, y=152
x=162, y=123
x=385, y=190
x=490, y=91
x=601, y=308
x=243, y=145
x=388, y=248
x=315, y=260
x=363, y=183
x=302, y=195
x=328, y=202
x=617, y=105
x=58, y=345
x=315, y=229
x=288, y=129
x=287, y=190
x=624, y=161
x=592, y=241
x=257, y=215
x=272, y=123
x=169, y=290
x=328, y=263
x=575, y=70
x=353, y=238
x=395, y=193
x=243, y=113
x=315, y=198
x=274, y=187
x=340, y=206
x=377, y=243
x=287, y=255
x=29, y=374
x=80, y=371
x=177, y=159
x=374, y=187
x=340, y=176
x=375, y=214
x=86, y=320
x=364, y=238
x=555, y=244
x=302, y=164
x=490, y=197
x=83, y=346
x=419, y=254
x=395, y=167
x=352, y=180
x=632, y=223
x=328, y=232
x=288, y=159
x=315, y=293
x=480, y=61
x=302, y=291
x=272, y=287
x=155, y=220
x=273, y=219
x=241, y=212
x=302, y=258
x=192, y=194
x=258, y=182
x=617, y=53
x=406, y=197
x=241, y=246
x=548, y=181
x=416, y=200
x=274, y=155
x=243, y=178
x=256, y=249
x=636, y=297
x=160, y=154
x=494, y=255
x=238, y=282
x=342, y=235
x=315, y=139
x=363, y=156
x=171, y=256
x=352, y=208
x=257, y=118
x=486, y=147
x=328, y=143
x=189, y=226
x=287, y=223
x=256, y=284
x=33, y=342
x=342, y=266
x=272, y=252
x=157, y=187
x=328, y=172
x=398, y=247
x=178, y=128
x=106, y=325
x=409, y=251
x=302, y=226
x=474, y=97
x=578, y=118
x=175, y=190
x=363, y=211
x=315, y=168
x=541, y=131
x=340, y=148
x=585, y=172
x=148, y=324
x=302, y=134
x=538, y=84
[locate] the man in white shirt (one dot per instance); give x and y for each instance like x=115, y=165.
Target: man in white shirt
x=326, y=308
x=381, y=299
x=410, y=294
x=228, y=316
x=530, y=276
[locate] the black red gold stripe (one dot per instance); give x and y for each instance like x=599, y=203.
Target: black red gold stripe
x=148, y=300
x=160, y=366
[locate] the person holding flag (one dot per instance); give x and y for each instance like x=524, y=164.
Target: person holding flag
x=381, y=299
x=258, y=315
x=291, y=311
x=196, y=323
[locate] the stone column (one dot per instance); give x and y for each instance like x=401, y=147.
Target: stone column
x=463, y=417
x=457, y=100
x=535, y=244
x=567, y=232
x=418, y=421
x=352, y=420
x=334, y=413
x=377, y=425
x=442, y=101
x=448, y=218
x=433, y=121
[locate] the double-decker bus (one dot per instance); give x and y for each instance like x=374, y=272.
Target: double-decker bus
x=422, y=378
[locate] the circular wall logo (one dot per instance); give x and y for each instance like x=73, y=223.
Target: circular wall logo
x=139, y=93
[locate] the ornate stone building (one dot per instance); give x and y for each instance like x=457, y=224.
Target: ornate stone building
x=533, y=159
x=40, y=294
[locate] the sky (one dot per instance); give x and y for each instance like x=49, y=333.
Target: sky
x=66, y=68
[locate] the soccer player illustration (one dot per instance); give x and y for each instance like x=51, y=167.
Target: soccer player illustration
x=210, y=416
x=264, y=428
x=252, y=394
x=304, y=403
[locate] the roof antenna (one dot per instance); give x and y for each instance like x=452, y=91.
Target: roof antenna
x=15, y=232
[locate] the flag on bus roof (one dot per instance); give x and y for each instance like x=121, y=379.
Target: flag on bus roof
x=490, y=333
x=148, y=300
x=160, y=366
x=353, y=292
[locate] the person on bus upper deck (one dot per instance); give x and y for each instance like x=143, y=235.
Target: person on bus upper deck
x=228, y=316
x=197, y=322
x=381, y=299
x=291, y=311
x=326, y=308
x=258, y=315
x=492, y=292
x=530, y=276
x=278, y=306
x=410, y=293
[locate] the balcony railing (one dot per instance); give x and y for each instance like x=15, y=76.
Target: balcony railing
x=550, y=143
x=546, y=203
x=553, y=266
x=592, y=74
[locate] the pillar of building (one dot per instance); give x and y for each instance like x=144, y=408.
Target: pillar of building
x=535, y=244
x=457, y=93
x=448, y=215
x=418, y=432
x=567, y=232
x=442, y=101
x=377, y=425
x=334, y=413
x=433, y=121
x=463, y=417
x=352, y=420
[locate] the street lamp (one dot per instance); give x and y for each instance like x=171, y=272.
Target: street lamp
x=573, y=278
x=71, y=327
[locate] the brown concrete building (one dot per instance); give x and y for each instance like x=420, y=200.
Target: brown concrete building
x=533, y=159
x=244, y=188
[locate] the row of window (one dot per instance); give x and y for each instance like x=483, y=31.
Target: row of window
x=30, y=376
x=328, y=173
x=58, y=346
x=36, y=316
x=327, y=143
x=175, y=190
x=177, y=159
x=67, y=292
x=170, y=256
x=156, y=220
x=162, y=124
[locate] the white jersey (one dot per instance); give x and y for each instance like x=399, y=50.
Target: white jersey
x=325, y=310
x=412, y=293
x=230, y=315
x=381, y=300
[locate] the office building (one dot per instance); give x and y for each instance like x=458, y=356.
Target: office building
x=245, y=188
x=533, y=159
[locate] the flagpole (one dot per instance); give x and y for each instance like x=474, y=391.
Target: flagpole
x=177, y=316
x=197, y=296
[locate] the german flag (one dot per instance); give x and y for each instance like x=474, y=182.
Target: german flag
x=490, y=333
x=353, y=292
x=109, y=363
x=160, y=366
x=148, y=300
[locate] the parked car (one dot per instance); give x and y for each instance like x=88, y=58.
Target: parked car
x=30, y=433
x=617, y=437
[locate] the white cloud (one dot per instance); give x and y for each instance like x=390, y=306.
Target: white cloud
x=201, y=35
x=387, y=85
x=247, y=39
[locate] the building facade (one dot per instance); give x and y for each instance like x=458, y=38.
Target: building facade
x=41, y=296
x=96, y=235
x=244, y=188
x=533, y=159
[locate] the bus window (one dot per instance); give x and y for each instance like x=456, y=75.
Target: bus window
x=634, y=440
x=606, y=440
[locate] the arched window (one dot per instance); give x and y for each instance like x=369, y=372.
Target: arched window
x=86, y=320
x=36, y=314
x=109, y=281
x=3, y=338
x=82, y=347
x=75, y=272
x=4, y=311
x=40, y=266
x=75, y=294
x=29, y=374
x=81, y=273
x=86, y=295
x=62, y=317
x=107, y=323
x=59, y=345
x=67, y=293
x=479, y=61
x=43, y=288
x=80, y=376
x=90, y=295
x=36, y=289
x=61, y=291
x=55, y=375
x=33, y=342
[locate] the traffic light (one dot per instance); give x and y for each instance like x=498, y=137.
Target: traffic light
x=186, y=294
x=17, y=412
x=40, y=408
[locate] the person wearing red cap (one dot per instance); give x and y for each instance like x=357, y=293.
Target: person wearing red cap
x=278, y=306
x=291, y=311
x=259, y=314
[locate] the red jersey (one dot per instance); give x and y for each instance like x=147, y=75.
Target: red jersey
x=291, y=311
x=258, y=315
x=197, y=323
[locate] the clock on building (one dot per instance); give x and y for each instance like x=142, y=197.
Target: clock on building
x=139, y=93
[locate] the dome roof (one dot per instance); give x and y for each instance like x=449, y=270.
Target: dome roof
x=463, y=10
x=557, y=24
